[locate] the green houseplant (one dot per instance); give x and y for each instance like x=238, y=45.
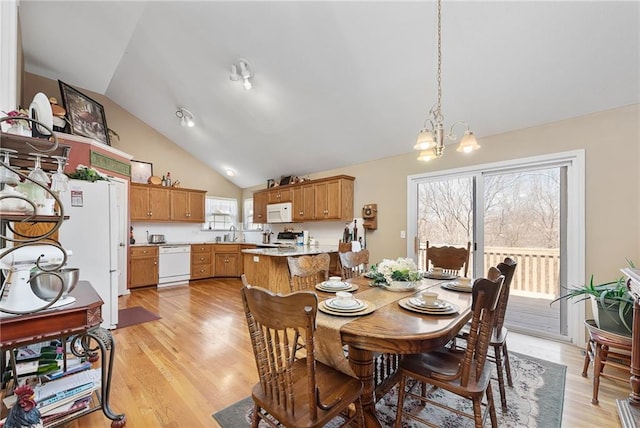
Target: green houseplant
x=611, y=303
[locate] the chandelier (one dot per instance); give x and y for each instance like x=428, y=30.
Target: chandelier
x=431, y=138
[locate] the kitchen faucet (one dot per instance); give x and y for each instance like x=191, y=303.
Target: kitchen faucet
x=233, y=229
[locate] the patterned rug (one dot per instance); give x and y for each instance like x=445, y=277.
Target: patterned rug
x=535, y=400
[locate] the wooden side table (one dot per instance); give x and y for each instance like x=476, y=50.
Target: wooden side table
x=77, y=323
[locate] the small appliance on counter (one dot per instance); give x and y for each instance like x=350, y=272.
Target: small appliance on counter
x=156, y=238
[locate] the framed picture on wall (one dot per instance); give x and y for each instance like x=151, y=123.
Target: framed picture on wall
x=141, y=171
x=86, y=116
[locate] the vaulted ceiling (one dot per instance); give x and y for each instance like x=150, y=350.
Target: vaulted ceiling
x=336, y=83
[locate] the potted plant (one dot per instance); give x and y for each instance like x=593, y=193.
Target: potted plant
x=611, y=303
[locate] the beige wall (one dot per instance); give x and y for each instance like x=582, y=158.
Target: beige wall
x=142, y=142
x=611, y=141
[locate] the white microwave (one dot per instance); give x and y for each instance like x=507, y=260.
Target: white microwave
x=279, y=213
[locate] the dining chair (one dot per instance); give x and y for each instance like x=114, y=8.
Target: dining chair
x=452, y=260
x=500, y=355
x=605, y=348
x=307, y=271
x=354, y=264
x=461, y=372
x=295, y=392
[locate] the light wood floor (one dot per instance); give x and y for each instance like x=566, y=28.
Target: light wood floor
x=196, y=360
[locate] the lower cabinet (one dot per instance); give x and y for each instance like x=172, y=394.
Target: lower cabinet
x=217, y=260
x=143, y=266
x=201, y=266
x=227, y=260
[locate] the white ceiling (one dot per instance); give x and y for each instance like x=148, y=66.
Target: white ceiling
x=336, y=83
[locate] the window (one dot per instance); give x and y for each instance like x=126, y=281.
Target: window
x=221, y=213
x=248, y=216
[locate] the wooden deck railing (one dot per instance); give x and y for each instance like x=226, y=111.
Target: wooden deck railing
x=537, y=274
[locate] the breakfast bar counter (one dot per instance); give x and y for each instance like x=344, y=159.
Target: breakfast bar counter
x=267, y=267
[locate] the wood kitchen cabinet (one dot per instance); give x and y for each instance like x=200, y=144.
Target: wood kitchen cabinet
x=187, y=205
x=201, y=261
x=157, y=203
x=328, y=198
x=227, y=260
x=304, y=203
x=279, y=195
x=143, y=266
x=334, y=199
x=149, y=203
x=260, y=200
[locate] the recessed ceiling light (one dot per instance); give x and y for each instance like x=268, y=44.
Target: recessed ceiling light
x=230, y=172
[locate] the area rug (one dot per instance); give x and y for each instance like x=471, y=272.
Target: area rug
x=535, y=400
x=134, y=315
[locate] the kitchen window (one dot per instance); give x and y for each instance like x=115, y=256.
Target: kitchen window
x=248, y=216
x=222, y=213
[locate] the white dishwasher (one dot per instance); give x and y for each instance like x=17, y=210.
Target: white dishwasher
x=174, y=265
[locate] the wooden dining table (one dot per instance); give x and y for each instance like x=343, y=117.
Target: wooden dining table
x=389, y=328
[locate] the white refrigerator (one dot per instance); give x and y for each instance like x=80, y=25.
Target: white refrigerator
x=91, y=233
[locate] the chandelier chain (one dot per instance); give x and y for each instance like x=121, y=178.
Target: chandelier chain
x=438, y=112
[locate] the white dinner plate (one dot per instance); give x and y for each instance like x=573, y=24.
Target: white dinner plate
x=351, y=287
x=367, y=309
x=328, y=285
x=335, y=304
x=406, y=304
x=438, y=305
x=462, y=289
x=432, y=275
x=40, y=110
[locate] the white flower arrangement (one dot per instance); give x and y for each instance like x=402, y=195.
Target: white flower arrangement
x=401, y=269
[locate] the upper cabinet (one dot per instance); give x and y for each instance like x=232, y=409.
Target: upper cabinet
x=280, y=195
x=156, y=203
x=260, y=201
x=324, y=199
x=187, y=205
x=304, y=204
x=149, y=203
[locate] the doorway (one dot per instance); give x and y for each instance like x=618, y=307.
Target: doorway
x=519, y=209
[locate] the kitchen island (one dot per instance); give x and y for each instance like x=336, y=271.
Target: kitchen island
x=267, y=267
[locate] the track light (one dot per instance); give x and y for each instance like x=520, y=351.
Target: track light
x=186, y=117
x=242, y=69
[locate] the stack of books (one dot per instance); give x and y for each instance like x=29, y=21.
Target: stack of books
x=64, y=395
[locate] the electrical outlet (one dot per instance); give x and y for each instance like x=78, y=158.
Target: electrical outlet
x=256, y=259
x=403, y=234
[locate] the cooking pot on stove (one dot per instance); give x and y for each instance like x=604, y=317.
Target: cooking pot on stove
x=266, y=237
x=156, y=239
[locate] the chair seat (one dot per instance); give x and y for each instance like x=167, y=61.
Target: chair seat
x=332, y=385
x=444, y=362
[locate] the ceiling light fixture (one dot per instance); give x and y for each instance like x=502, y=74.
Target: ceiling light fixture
x=431, y=138
x=230, y=172
x=186, y=117
x=242, y=69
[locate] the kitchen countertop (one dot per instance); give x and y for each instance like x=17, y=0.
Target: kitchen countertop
x=144, y=244
x=292, y=251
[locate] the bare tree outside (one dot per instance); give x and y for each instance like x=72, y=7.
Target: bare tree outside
x=521, y=210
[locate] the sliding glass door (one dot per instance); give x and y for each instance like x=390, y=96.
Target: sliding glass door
x=518, y=209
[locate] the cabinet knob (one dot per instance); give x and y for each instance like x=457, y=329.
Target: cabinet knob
x=144, y=252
